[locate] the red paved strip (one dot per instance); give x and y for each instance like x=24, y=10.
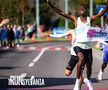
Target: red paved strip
x=26, y=48
x=64, y=49
x=51, y=49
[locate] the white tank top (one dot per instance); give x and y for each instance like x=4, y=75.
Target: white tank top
x=81, y=30
x=81, y=34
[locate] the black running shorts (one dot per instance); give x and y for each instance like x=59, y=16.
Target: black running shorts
x=72, y=63
x=87, y=54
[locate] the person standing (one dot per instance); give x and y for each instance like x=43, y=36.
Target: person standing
x=18, y=35
x=82, y=47
x=11, y=37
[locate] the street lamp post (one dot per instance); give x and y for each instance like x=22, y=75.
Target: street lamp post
x=37, y=19
x=91, y=7
x=66, y=10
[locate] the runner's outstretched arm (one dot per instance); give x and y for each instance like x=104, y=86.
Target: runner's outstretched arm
x=61, y=12
x=72, y=32
x=103, y=42
x=97, y=16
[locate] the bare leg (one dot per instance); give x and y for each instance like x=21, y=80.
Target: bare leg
x=79, y=64
x=100, y=75
x=80, y=81
x=89, y=70
x=87, y=80
x=104, y=65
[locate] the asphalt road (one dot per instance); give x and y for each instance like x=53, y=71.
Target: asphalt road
x=47, y=61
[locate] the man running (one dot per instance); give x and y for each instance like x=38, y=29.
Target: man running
x=105, y=54
x=82, y=47
x=74, y=59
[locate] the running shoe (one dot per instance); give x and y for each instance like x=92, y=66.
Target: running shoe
x=88, y=83
x=76, y=87
x=100, y=75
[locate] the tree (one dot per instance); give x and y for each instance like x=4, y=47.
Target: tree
x=100, y=1
x=23, y=10
x=8, y=8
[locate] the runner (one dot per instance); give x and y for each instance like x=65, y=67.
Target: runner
x=74, y=59
x=105, y=54
x=82, y=47
x=105, y=61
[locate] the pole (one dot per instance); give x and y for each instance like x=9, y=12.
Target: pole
x=37, y=19
x=102, y=21
x=23, y=17
x=91, y=7
x=66, y=10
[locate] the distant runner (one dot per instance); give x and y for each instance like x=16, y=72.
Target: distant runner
x=105, y=54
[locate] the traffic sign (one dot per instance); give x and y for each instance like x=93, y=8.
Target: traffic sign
x=100, y=8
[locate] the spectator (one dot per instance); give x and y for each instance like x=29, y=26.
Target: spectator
x=18, y=33
x=11, y=37
x=23, y=33
x=4, y=36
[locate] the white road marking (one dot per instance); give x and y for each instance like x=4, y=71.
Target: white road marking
x=40, y=54
x=57, y=49
x=37, y=57
x=31, y=64
x=32, y=48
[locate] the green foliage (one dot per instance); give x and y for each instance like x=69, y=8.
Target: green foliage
x=71, y=25
x=97, y=22
x=14, y=10
x=8, y=8
x=100, y=2
x=17, y=10
x=61, y=22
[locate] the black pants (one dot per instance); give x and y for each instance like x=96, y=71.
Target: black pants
x=72, y=62
x=86, y=52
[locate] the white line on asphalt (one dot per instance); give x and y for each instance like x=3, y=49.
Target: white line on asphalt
x=40, y=54
x=37, y=57
x=31, y=64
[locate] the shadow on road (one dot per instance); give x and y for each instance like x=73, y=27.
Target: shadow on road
x=7, y=68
